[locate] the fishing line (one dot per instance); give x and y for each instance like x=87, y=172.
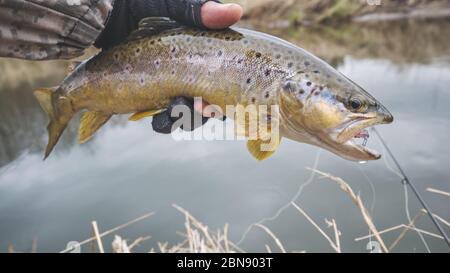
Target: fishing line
x=408, y=216
x=283, y=208
x=405, y=193
x=372, y=205
x=372, y=188
x=406, y=182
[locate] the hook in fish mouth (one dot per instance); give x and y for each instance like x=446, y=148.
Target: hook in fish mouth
x=345, y=141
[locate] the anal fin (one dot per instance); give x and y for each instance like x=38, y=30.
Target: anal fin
x=90, y=123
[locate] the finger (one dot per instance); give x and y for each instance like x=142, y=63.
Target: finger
x=219, y=16
x=199, y=105
x=207, y=110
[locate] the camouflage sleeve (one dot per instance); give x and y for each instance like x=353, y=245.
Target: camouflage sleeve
x=50, y=29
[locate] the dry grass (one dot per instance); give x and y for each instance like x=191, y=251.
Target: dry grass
x=198, y=238
x=359, y=203
x=444, y=193
x=335, y=11
x=336, y=245
x=275, y=238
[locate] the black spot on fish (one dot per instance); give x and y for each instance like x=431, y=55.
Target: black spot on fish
x=309, y=83
x=249, y=80
x=227, y=38
x=278, y=56
x=288, y=86
x=138, y=50
x=152, y=42
x=245, y=42
x=253, y=100
x=203, y=34
x=188, y=39
x=316, y=93
x=290, y=65
x=209, y=40
x=267, y=72
x=220, y=53
x=258, y=55
x=173, y=49
x=301, y=91
x=267, y=95
x=316, y=71
x=307, y=63
x=240, y=61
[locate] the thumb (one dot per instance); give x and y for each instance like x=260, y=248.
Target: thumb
x=219, y=16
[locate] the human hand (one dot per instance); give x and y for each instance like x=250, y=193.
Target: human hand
x=127, y=14
x=204, y=14
x=219, y=16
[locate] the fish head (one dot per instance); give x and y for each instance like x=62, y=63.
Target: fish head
x=330, y=112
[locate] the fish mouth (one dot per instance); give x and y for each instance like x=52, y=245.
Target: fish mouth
x=346, y=144
x=359, y=152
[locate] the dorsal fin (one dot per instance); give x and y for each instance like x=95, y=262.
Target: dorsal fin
x=153, y=25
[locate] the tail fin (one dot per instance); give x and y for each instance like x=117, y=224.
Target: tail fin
x=58, y=110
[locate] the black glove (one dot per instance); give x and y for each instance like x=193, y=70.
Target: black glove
x=163, y=123
x=127, y=14
x=125, y=18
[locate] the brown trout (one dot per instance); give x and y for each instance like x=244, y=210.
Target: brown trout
x=162, y=60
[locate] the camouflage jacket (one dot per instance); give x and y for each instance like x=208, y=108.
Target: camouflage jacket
x=50, y=29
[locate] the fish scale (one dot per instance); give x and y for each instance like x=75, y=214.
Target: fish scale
x=226, y=67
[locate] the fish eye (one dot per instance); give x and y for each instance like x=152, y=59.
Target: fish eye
x=356, y=104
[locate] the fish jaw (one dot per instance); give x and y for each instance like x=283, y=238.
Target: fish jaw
x=344, y=144
x=354, y=152
x=358, y=122
x=341, y=140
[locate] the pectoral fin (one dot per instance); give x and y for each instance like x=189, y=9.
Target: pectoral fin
x=90, y=123
x=263, y=149
x=141, y=115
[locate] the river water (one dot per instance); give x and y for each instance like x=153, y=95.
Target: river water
x=127, y=170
